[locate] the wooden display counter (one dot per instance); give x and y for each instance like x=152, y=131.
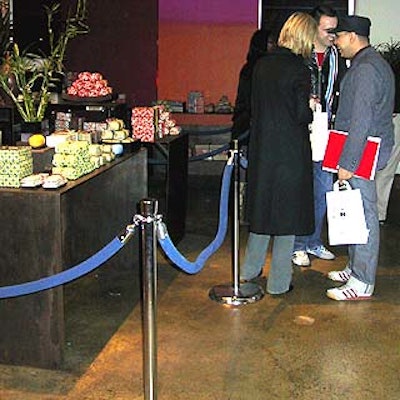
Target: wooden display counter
x=46, y=231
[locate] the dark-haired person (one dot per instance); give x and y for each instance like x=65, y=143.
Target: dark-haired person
x=327, y=69
x=279, y=157
x=260, y=43
x=365, y=108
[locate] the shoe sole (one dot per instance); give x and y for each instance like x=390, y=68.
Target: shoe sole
x=359, y=298
x=322, y=258
x=356, y=298
x=301, y=265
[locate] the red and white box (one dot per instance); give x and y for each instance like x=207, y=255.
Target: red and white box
x=143, y=124
x=367, y=167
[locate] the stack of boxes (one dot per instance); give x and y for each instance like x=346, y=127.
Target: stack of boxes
x=95, y=128
x=151, y=123
x=115, y=131
x=72, y=159
x=63, y=121
x=195, y=102
x=101, y=154
x=15, y=163
x=143, y=126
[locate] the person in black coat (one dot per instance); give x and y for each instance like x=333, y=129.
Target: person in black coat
x=280, y=188
x=261, y=42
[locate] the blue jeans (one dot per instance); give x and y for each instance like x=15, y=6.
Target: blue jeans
x=323, y=182
x=280, y=273
x=363, y=258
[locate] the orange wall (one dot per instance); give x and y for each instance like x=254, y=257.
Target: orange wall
x=204, y=57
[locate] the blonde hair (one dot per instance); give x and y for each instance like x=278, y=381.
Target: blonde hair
x=298, y=34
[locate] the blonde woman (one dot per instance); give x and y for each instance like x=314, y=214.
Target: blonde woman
x=280, y=196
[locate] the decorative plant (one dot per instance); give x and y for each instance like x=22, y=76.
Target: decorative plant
x=390, y=51
x=28, y=78
x=74, y=25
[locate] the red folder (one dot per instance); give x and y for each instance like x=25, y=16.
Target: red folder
x=369, y=159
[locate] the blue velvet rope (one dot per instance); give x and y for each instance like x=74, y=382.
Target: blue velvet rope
x=208, y=132
x=225, y=147
x=243, y=162
x=219, y=150
x=193, y=267
x=65, y=276
x=211, y=153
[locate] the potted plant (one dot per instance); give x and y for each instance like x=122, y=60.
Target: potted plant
x=28, y=78
x=390, y=51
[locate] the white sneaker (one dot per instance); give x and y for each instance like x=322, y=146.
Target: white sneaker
x=301, y=259
x=340, y=276
x=321, y=252
x=352, y=290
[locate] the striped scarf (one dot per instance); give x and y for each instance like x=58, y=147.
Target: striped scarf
x=333, y=72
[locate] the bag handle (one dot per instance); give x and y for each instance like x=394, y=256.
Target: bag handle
x=341, y=185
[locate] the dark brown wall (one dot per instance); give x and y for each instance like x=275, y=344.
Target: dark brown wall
x=121, y=45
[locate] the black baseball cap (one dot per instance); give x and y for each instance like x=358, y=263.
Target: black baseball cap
x=353, y=23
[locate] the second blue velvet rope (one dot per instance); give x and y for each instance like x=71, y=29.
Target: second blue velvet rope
x=193, y=267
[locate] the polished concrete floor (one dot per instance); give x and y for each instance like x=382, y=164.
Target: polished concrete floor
x=301, y=345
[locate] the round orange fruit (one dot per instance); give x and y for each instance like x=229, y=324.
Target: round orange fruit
x=36, y=141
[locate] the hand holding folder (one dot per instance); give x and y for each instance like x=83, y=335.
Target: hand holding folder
x=367, y=167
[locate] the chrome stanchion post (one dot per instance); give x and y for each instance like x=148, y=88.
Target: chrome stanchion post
x=236, y=218
x=237, y=293
x=148, y=210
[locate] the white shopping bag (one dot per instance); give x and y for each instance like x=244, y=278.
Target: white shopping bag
x=345, y=214
x=319, y=134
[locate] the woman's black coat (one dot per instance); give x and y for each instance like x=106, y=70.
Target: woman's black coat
x=280, y=192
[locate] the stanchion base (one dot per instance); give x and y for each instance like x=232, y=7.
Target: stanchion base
x=247, y=293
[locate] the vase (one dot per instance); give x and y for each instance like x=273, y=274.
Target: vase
x=27, y=129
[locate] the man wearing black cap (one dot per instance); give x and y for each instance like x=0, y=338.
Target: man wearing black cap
x=365, y=108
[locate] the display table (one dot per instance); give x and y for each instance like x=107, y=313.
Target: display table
x=170, y=156
x=46, y=231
